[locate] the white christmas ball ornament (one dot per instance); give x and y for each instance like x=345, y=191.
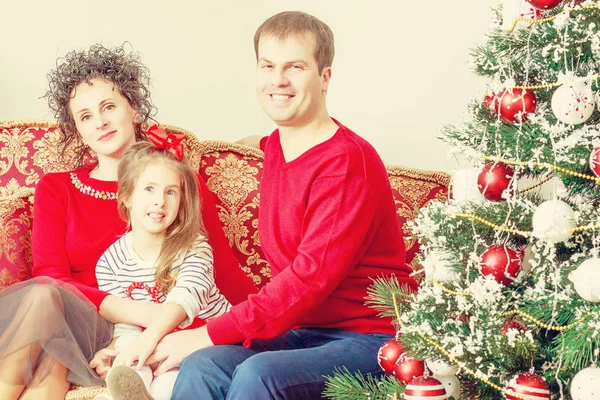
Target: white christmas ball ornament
x=586, y=280
x=586, y=384
x=441, y=368
x=573, y=102
x=553, y=221
x=436, y=266
x=452, y=385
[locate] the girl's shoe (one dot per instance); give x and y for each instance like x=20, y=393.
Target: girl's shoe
x=124, y=383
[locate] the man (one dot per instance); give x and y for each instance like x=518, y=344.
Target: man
x=327, y=225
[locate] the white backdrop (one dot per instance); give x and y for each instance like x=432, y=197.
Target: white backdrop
x=399, y=74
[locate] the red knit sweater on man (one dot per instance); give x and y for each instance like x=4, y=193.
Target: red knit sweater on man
x=72, y=229
x=327, y=225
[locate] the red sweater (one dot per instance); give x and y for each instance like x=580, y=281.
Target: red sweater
x=327, y=224
x=71, y=230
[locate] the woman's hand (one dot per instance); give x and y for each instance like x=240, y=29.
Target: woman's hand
x=138, y=350
x=176, y=346
x=102, y=361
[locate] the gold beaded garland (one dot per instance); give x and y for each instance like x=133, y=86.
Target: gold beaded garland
x=548, y=19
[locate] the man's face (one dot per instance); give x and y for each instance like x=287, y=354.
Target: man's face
x=288, y=83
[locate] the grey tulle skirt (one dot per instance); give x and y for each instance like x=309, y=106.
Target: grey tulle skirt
x=44, y=321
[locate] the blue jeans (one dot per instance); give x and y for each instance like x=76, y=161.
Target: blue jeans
x=291, y=366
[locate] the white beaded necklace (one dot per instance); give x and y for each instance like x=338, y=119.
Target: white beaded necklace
x=90, y=191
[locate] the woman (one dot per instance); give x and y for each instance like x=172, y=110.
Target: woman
x=52, y=325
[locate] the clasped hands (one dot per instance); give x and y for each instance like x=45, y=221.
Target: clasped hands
x=168, y=353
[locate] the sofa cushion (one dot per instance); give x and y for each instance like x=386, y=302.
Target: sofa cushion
x=16, y=211
x=233, y=173
x=413, y=189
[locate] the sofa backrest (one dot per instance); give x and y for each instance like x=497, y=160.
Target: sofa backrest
x=232, y=172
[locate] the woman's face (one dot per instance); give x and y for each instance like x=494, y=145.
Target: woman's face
x=103, y=117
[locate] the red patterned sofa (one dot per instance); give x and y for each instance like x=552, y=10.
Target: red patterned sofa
x=231, y=171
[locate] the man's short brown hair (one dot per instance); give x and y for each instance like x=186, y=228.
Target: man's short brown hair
x=291, y=23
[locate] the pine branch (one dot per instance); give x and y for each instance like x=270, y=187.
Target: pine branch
x=508, y=54
x=381, y=293
x=345, y=386
x=578, y=347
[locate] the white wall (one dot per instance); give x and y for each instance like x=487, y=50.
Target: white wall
x=399, y=74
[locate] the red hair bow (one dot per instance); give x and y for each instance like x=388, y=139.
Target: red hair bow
x=171, y=142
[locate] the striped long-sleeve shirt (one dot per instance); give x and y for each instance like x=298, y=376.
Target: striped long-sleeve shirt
x=120, y=269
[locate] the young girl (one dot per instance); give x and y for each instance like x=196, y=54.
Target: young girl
x=165, y=258
x=52, y=325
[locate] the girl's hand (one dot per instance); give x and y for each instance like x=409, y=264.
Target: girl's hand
x=138, y=350
x=102, y=361
x=174, y=347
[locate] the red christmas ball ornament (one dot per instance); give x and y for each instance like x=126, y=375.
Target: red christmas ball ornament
x=491, y=103
x=425, y=388
x=544, y=4
x=528, y=385
x=515, y=104
x=407, y=368
x=595, y=161
x=513, y=323
x=501, y=262
x=388, y=354
x=494, y=179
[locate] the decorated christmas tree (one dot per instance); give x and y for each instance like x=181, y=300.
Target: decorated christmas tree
x=509, y=304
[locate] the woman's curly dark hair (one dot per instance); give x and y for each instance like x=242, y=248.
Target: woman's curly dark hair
x=115, y=65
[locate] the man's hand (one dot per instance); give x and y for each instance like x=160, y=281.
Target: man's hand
x=252, y=141
x=138, y=351
x=102, y=361
x=174, y=347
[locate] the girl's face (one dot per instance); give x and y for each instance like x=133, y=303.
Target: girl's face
x=154, y=203
x=103, y=117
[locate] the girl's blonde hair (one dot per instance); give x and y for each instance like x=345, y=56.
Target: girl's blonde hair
x=187, y=228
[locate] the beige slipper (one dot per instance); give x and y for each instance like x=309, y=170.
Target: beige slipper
x=125, y=384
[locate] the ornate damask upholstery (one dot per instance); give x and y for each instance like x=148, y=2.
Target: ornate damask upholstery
x=412, y=190
x=232, y=172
